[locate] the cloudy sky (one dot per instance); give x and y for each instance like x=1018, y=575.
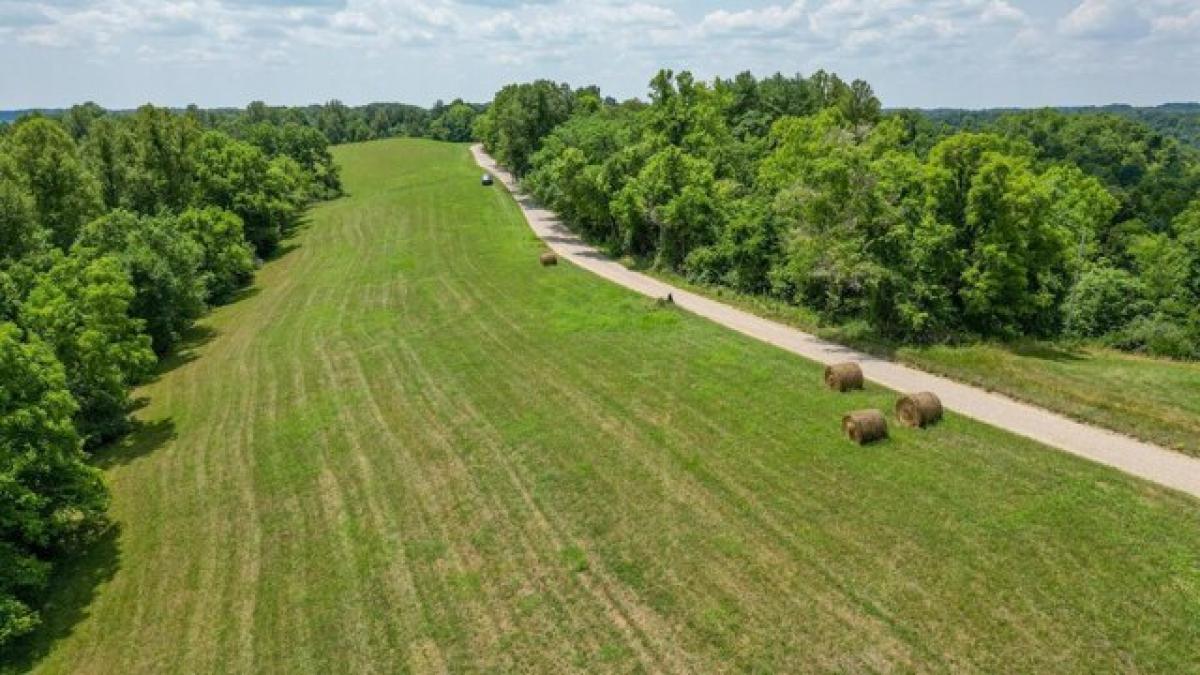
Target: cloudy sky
x=961, y=53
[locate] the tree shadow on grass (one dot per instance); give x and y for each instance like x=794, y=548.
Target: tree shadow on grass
x=186, y=351
x=145, y=438
x=282, y=251
x=72, y=588
x=1047, y=352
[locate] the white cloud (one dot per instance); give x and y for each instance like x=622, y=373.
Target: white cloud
x=421, y=49
x=1106, y=20
x=772, y=19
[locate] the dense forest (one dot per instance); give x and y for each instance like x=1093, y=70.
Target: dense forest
x=117, y=232
x=339, y=123
x=1034, y=224
x=1177, y=120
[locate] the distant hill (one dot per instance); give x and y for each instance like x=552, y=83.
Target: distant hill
x=12, y=115
x=1177, y=120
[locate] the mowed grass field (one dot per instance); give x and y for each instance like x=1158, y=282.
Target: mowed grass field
x=413, y=449
x=1154, y=399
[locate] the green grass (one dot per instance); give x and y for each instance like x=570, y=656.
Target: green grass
x=413, y=449
x=1156, y=400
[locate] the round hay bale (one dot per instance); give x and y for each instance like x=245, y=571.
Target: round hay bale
x=549, y=259
x=918, y=411
x=843, y=377
x=865, y=426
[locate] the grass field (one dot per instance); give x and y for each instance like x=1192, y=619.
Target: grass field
x=1157, y=400
x=1154, y=399
x=412, y=449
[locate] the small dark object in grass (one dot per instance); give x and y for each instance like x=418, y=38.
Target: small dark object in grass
x=844, y=377
x=549, y=259
x=919, y=410
x=865, y=426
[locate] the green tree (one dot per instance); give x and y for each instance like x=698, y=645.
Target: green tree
x=78, y=119
x=1017, y=261
x=65, y=195
x=51, y=501
x=81, y=309
x=163, y=172
x=227, y=261
x=163, y=264
x=20, y=233
x=110, y=152
x=520, y=117
x=240, y=178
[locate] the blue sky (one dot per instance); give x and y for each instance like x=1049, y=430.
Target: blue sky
x=960, y=53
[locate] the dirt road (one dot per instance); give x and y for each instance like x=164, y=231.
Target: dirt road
x=1144, y=460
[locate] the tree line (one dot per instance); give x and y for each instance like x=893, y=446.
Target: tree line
x=1180, y=121
x=117, y=232
x=336, y=121
x=1036, y=224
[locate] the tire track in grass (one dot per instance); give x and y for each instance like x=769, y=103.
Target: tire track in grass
x=431, y=402
x=602, y=588
x=355, y=477
x=306, y=514
x=334, y=512
x=464, y=559
x=659, y=469
x=382, y=521
x=247, y=566
x=468, y=559
x=216, y=544
x=623, y=609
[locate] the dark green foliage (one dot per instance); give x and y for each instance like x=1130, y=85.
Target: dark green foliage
x=20, y=233
x=240, y=178
x=162, y=158
x=1103, y=302
x=453, y=123
x=109, y=250
x=1032, y=224
x=46, y=161
x=520, y=117
x=51, y=502
x=164, y=265
x=227, y=261
x=81, y=309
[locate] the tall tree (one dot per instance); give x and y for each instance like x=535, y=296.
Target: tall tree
x=81, y=309
x=65, y=195
x=51, y=501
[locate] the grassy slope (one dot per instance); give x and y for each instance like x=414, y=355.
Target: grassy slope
x=415, y=449
x=1153, y=399
x=1157, y=400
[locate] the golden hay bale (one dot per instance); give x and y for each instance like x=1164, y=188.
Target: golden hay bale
x=865, y=426
x=919, y=410
x=549, y=259
x=844, y=377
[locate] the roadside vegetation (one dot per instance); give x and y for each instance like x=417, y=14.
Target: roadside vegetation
x=415, y=448
x=1041, y=226
x=116, y=234
x=1154, y=399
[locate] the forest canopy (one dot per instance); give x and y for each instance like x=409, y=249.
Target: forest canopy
x=1040, y=224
